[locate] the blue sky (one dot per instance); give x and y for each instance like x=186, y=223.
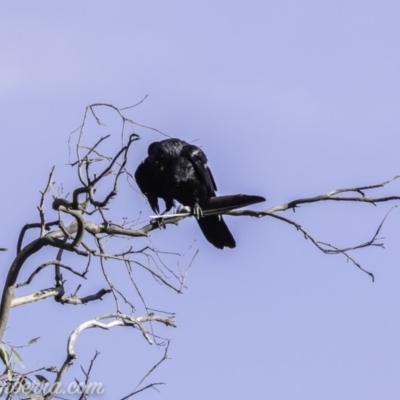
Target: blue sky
x=288, y=99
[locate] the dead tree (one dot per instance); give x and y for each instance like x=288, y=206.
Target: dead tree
x=84, y=229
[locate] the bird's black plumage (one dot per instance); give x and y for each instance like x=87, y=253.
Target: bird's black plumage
x=177, y=170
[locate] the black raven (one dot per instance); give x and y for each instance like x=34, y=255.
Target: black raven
x=176, y=170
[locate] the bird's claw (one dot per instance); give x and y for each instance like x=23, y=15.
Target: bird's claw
x=159, y=220
x=197, y=211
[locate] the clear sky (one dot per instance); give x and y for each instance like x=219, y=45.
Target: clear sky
x=288, y=99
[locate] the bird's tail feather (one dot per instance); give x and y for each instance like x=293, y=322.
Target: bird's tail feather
x=216, y=231
x=230, y=202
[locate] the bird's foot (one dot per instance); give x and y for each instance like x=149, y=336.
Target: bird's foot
x=159, y=220
x=197, y=211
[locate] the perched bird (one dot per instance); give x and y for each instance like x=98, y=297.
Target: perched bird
x=177, y=170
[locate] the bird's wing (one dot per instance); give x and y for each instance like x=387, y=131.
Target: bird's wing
x=146, y=184
x=199, y=161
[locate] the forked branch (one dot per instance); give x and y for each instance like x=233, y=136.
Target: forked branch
x=116, y=320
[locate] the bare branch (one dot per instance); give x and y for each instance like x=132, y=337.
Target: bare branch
x=118, y=110
x=9, y=286
x=42, y=199
x=117, y=320
x=31, y=226
x=84, y=386
x=151, y=385
x=47, y=264
x=135, y=105
x=40, y=295
x=58, y=293
x=133, y=137
x=74, y=246
x=332, y=196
